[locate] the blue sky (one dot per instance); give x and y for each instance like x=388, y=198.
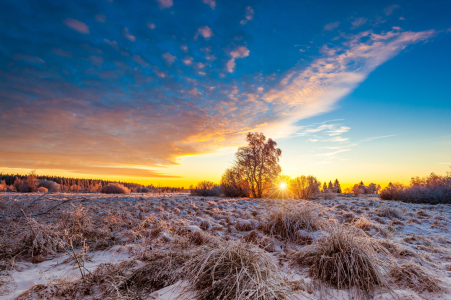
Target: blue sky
x=165, y=90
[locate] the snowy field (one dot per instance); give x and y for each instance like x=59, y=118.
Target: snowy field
x=146, y=246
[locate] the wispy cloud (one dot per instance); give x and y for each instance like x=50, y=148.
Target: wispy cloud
x=212, y=3
x=331, y=26
x=165, y=3
x=205, y=31
x=358, y=22
x=248, y=16
x=390, y=9
x=126, y=33
x=77, y=25
x=377, y=137
x=239, y=52
x=317, y=88
x=169, y=58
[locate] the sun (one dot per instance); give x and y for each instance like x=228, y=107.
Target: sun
x=282, y=185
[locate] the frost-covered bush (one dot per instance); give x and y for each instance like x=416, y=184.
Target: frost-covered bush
x=49, y=185
x=42, y=189
x=3, y=187
x=305, y=187
x=207, y=189
x=433, y=189
x=233, y=183
x=115, y=188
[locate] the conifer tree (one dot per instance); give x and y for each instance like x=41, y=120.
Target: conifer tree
x=337, y=188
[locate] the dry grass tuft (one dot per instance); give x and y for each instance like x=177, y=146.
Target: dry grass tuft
x=328, y=195
x=344, y=259
x=286, y=223
x=389, y=212
x=162, y=269
x=367, y=225
x=414, y=277
x=246, y=225
x=126, y=280
x=101, y=283
x=234, y=271
x=200, y=238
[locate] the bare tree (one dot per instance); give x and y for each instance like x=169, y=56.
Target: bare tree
x=259, y=161
x=233, y=183
x=305, y=187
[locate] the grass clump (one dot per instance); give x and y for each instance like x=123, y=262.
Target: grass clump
x=162, y=269
x=414, y=277
x=234, y=271
x=343, y=260
x=389, y=212
x=287, y=223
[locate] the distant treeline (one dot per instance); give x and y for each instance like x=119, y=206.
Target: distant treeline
x=32, y=182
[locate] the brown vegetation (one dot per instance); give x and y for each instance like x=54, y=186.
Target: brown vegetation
x=115, y=188
x=344, y=259
x=290, y=222
x=433, y=189
x=236, y=271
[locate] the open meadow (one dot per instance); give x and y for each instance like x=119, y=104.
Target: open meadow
x=179, y=246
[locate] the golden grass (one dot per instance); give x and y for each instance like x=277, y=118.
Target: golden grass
x=415, y=277
x=235, y=270
x=285, y=223
x=344, y=260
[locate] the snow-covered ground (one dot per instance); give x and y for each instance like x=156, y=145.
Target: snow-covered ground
x=121, y=228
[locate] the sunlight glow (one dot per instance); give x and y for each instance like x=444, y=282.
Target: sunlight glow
x=283, y=185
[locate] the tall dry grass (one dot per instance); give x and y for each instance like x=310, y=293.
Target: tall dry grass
x=237, y=271
x=344, y=259
x=287, y=223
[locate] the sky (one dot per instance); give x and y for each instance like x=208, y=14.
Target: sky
x=164, y=91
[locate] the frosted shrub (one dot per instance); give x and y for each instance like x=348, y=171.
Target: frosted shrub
x=115, y=188
x=206, y=189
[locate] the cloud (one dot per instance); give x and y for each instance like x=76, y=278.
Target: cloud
x=112, y=44
x=205, y=31
x=139, y=60
x=358, y=22
x=127, y=35
x=317, y=88
x=187, y=60
x=101, y=18
x=377, y=137
x=212, y=3
x=238, y=52
x=231, y=65
x=168, y=58
x=77, y=25
x=28, y=58
x=248, y=16
x=165, y=3
x=331, y=26
x=390, y=9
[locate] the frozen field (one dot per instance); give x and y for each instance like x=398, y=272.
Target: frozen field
x=146, y=246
